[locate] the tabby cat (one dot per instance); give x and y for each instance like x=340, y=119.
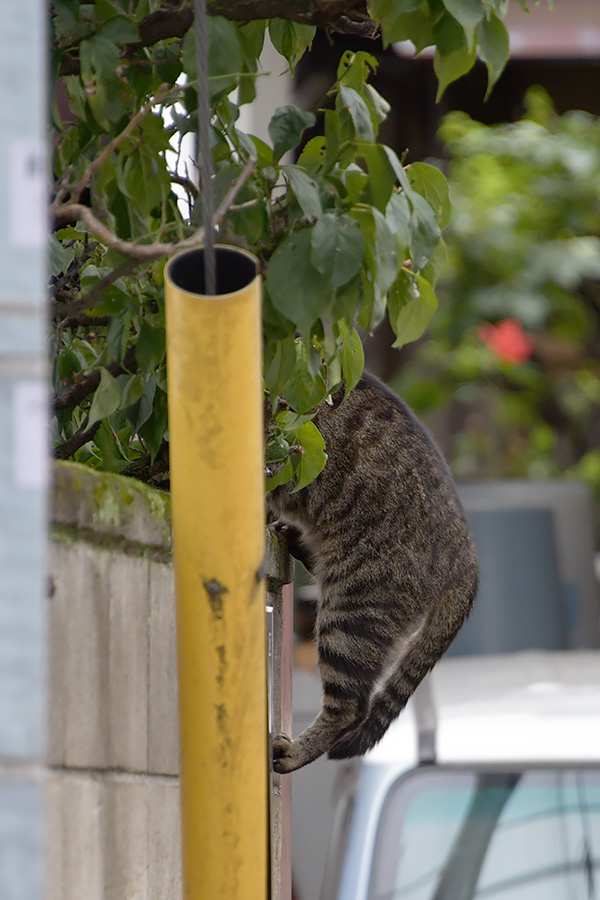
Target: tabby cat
x=384, y=534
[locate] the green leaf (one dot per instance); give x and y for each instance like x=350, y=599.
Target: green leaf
x=351, y=100
x=436, y=264
x=355, y=68
x=353, y=357
x=399, y=171
x=304, y=189
x=106, y=399
x=153, y=430
x=285, y=474
x=68, y=364
x=304, y=391
x=411, y=304
x=278, y=363
x=132, y=391
x=493, y=48
x=263, y=152
x=384, y=253
x=356, y=182
x=381, y=174
x=60, y=257
x=65, y=16
x=117, y=335
x=110, y=449
x=468, y=13
x=252, y=35
x=378, y=105
x=380, y=268
x=337, y=248
x=225, y=55
x=120, y=30
x=425, y=232
x=384, y=10
x=150, y=347
x=448, y=34
x=312, y=157
x=416, y=26
x=296, y=288
x=291, y=39
x=347, y=299
x=333, y=138
x=286, y=128
x=141, y=412
x=313, y=460
x=431, y=184
x=454, y=65
x=100, y=60
x=397, y=216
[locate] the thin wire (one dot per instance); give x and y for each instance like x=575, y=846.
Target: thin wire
x=200, y=15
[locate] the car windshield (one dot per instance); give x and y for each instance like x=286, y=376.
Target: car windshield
x=456, y=835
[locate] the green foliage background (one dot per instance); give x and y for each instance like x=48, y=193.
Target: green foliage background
x=346, y=234
x=524, y=243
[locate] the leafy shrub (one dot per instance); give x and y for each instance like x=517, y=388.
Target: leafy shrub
x=345, y=235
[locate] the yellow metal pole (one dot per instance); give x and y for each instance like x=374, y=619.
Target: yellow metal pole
x=216, y=454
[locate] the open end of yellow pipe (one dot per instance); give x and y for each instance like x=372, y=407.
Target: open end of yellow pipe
x=235, y=270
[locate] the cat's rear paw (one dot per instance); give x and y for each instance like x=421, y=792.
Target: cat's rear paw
x=283, y=754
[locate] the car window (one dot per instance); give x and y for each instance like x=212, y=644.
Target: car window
x=461, y=835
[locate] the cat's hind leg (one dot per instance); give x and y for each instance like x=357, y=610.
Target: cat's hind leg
x=349, y=666
x=420, y=653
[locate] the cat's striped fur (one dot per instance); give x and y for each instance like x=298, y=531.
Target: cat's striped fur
x=383, y=531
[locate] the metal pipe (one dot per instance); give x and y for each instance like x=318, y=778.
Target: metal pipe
x=216, y=451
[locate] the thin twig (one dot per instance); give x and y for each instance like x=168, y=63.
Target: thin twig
x=147, y=252
x=234, y=189
x=99, y=160
x=95, y=226
x=81, y=437
x=249, y=204
x=184, y=182
x=72, y=394
x=96, y=295
x=85, y=321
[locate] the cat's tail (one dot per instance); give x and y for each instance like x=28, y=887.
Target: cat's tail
x=422, y=651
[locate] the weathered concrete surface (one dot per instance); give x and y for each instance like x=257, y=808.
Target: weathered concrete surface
x=111, y=505
x=112, y=793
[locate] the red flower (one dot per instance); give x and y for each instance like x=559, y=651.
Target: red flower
x=507, y=340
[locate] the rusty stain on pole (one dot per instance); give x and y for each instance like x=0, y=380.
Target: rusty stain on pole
x=216, y=452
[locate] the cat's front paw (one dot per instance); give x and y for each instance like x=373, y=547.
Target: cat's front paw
x=283, y=754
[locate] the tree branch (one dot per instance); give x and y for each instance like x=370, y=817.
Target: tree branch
x=81, y=437
x=173, y=20
x=184, y=182
x=97, y=162
x=96, y=296
x=330, y=13
x=147, y=252
x=72, y=394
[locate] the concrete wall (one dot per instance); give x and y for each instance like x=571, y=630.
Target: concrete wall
x=112, y=789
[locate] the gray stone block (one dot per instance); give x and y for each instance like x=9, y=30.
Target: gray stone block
x=78, y=656
x=163, y=738
x=75, y=844
x=128, y=589
x=164, y=840
x=125, y=839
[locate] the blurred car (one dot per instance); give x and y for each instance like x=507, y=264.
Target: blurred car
x=487, y=786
